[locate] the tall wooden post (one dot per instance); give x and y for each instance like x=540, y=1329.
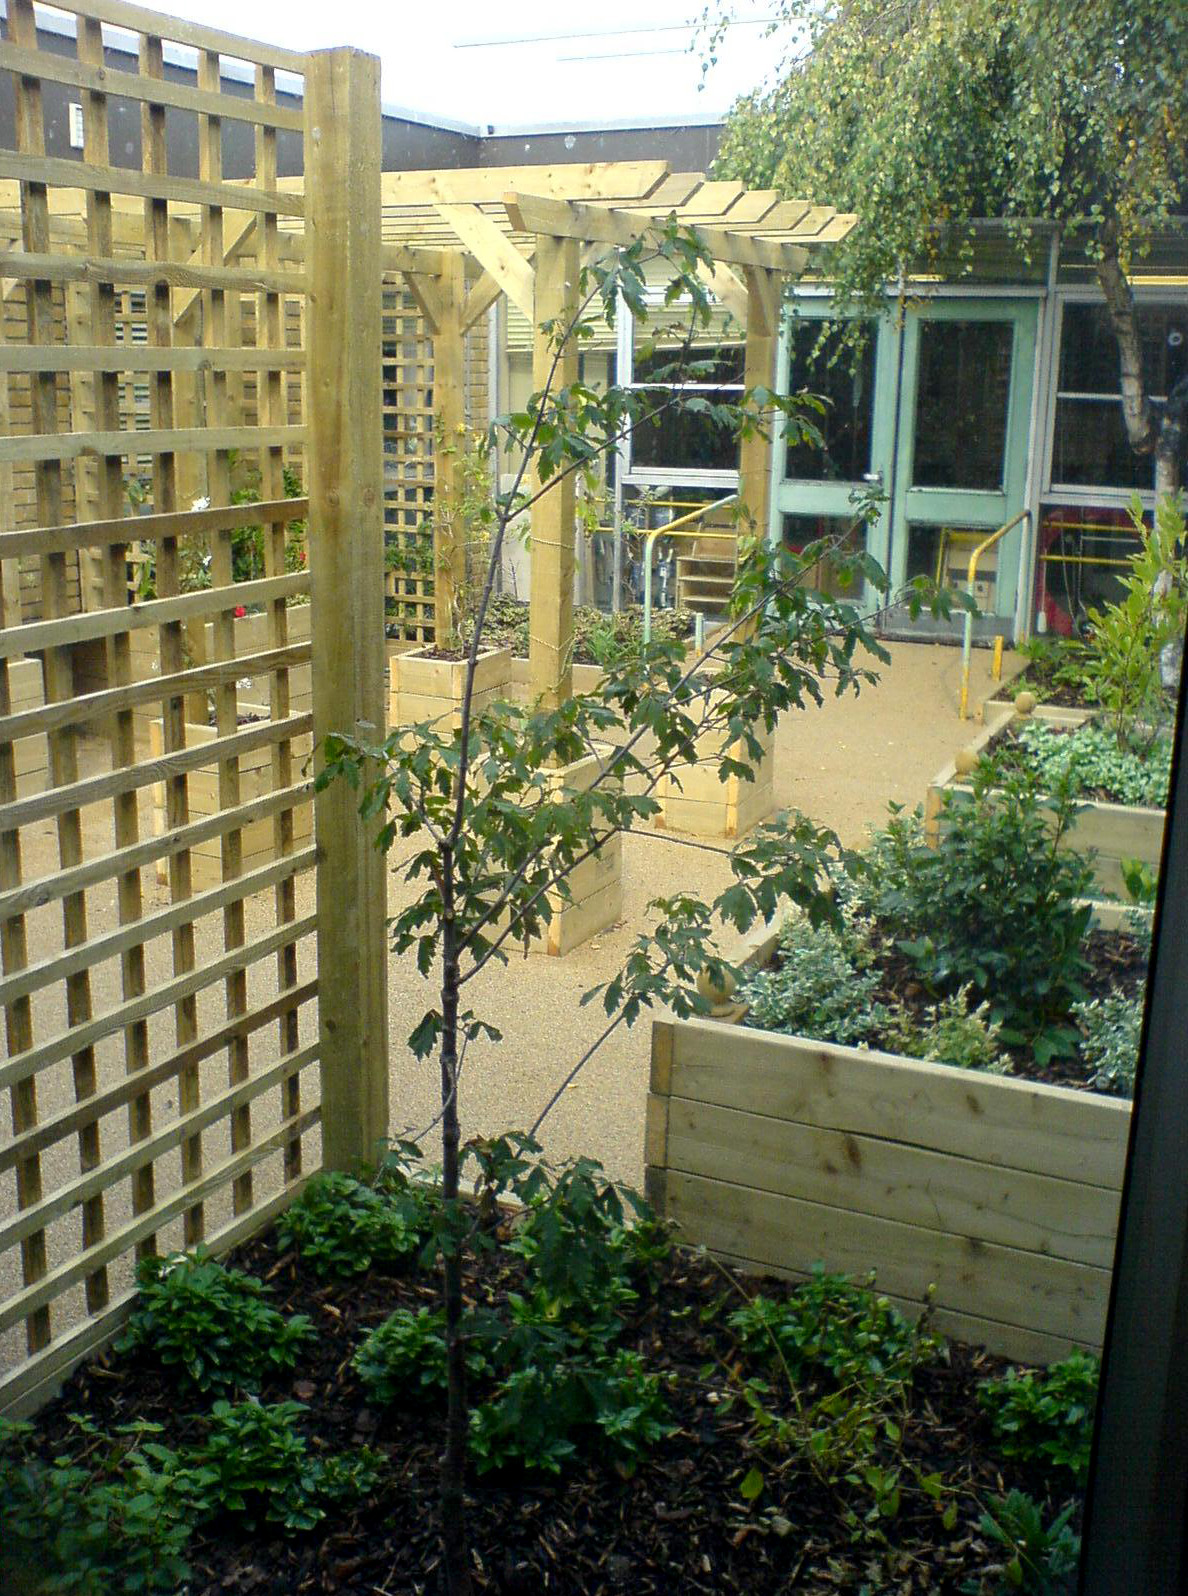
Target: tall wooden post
x=550, y=616
x=345, y=469
x=449, y=414
x=763, y=326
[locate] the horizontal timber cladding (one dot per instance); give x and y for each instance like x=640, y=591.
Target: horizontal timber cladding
x=157, y=918
x=779, y=1153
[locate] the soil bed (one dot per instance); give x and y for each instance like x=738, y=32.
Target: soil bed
x=1117, y=965
x=680, y=1524
x=597, y=636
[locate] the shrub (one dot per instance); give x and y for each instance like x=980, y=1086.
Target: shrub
x=1111, y=1030
x=1130, y=638
x=112, y=1523
x=832, y=1327
x=1046, y=1418
x=817, y=989
x=540, y=1417
x=341, y=1226
x=256, y=1463
x=404, y=1359
x=210, y=1323
x=577, y=1241
x=994, y=906
x=951, y=1033
x=1039, y=1559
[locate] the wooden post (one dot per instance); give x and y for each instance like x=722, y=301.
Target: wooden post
x=763, y=326
x=345, y=464
x=550, y=616
x=449, y=415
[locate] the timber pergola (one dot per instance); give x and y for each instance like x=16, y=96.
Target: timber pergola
x=462, y=238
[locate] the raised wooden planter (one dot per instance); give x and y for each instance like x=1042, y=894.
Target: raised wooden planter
x=695, y=799
x=1113, y=831
x=421, y=688
x=779, y=1152
x=26, y=691
x=595, y=885
x=252, y=636
x=202, y=787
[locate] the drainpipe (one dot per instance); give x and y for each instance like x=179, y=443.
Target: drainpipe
x=1039, y=428
x=893, y=474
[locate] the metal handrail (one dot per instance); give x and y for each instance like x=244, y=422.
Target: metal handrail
x=681, y=528
x=967, y=641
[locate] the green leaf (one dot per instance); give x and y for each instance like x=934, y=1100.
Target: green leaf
x=752, y=1485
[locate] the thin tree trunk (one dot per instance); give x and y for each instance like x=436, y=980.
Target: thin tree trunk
x=454, y=1538
x=1119, y=298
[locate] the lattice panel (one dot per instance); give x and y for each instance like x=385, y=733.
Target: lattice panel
x=408, y=456
x=156, y=904
x=408, y=469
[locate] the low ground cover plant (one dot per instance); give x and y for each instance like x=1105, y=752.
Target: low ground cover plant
x=685, y=1415
x=598, y=638
x=211, y=1326
x=1088, y=760
x=342, y=1225
x=975, y=953
x=1045, y=1418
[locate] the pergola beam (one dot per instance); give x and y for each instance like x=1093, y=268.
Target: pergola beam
x=532, y=213
x=607, y=180
x=726, y=287
x=412, y=261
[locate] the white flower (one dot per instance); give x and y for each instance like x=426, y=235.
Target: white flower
x=201, y=504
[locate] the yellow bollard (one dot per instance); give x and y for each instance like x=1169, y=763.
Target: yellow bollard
x=996, y=667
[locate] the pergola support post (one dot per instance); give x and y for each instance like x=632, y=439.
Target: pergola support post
x=550, y=615
x=449, y=542
x=345, y=466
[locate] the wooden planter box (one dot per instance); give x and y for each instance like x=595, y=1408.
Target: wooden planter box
x=30, y=754
x=202, y=787
x=693, y=798
x=252, y=636
x=1114, y=831
x=423, y=689
x=779, y=1152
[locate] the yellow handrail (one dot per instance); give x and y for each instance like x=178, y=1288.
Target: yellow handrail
x=967, y=642
x=681, y=527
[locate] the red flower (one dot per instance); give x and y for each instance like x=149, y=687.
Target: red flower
x=240, y=612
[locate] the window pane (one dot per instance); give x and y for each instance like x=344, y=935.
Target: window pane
x=961, y=403
x=1089, y=350
x=846, y=378
x=1090, y=447
x=682, y=441
x=840, y=530
x=724, y=362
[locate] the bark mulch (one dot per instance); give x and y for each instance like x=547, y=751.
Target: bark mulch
x=679, y=1525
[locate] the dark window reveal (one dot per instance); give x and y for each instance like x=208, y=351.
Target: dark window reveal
x=1090, y=447
x=963, y=392
x=845, y=377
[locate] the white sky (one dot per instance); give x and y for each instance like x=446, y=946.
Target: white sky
x=622, y=58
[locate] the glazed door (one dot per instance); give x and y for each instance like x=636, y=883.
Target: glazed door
x=960, y=466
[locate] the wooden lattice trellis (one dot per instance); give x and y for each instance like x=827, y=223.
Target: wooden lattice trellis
x=409, y=449
x=160, y=1035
